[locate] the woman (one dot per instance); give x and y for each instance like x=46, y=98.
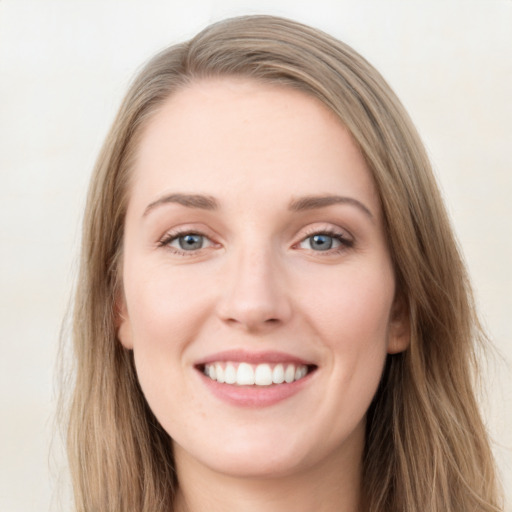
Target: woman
x=272, y=311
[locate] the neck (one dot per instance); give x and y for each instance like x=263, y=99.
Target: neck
x=326, y=487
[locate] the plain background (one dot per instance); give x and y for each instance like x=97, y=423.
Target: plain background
x=64, y=66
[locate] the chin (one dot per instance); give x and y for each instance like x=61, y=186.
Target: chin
x=257, y=466
x=242, y=458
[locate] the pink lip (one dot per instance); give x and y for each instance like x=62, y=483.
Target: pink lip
x=254, y=396
x=240, y=356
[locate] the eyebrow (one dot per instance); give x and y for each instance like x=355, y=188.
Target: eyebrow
x=205, y=202
x=189, y=200
x=314, y=202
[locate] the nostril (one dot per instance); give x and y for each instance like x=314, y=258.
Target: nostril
x=252, y=319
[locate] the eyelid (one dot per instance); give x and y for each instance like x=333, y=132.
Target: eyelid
x=206, y=241
x=175, y=233
x=345, y=238
x=326, y=229
x=342, y=235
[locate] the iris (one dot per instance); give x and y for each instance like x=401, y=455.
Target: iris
x=190, y=242
x=321, y=242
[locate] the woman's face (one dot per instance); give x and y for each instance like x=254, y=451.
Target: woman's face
x=258, y=287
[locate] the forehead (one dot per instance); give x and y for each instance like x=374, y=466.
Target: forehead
x=234, y=134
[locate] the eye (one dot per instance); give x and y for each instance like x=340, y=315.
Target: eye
x=325, y=242
x=186, y=242
x=190, y=242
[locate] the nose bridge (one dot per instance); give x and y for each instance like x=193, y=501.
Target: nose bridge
x=255, y=295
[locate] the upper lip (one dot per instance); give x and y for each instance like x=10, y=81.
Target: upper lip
x=243, y=356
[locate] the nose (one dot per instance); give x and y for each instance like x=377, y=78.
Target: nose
x=254, y=295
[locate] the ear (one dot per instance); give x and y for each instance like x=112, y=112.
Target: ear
x=122, y=322
x=399, y=335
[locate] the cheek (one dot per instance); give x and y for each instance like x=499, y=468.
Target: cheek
x=165, y=306
x=352, y=319
x=164, y=319
x=352, y=309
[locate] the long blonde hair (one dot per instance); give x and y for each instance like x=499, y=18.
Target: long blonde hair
x=426, y=446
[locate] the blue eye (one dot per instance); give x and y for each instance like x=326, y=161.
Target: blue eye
x=321, y=242
x=187, y=242
x=324, y=242
x=190, y=242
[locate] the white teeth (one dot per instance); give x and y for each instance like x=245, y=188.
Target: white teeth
x=263, y=375
x=289, y=374
x=220, y=373
x=230, y=374
x=300, y=372
x=277, y=374
x=245, y=374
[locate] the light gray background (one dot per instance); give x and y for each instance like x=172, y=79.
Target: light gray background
x=64, y=66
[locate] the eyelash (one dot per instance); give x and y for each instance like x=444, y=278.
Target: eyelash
x=174, y=235
x=345, y=243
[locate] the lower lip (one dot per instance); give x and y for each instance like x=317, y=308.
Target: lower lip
x=255, y=396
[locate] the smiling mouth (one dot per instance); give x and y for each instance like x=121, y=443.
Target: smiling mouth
x=263, y=374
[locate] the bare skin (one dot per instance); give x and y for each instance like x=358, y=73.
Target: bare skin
x=254, y=237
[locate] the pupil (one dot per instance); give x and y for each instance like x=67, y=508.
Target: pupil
x=321, y=242
x=189, y=242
